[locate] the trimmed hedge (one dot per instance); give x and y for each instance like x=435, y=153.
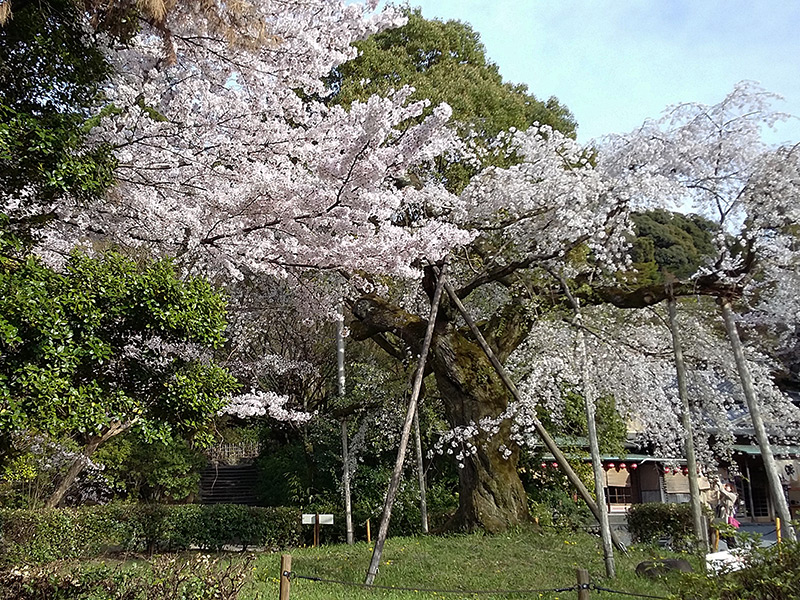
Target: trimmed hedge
x=86, y=532
x=653, y=521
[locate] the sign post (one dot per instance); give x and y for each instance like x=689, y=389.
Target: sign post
x=316, y=520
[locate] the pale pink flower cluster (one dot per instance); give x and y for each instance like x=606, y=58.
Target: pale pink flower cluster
x=258, y=403
x=229, y=161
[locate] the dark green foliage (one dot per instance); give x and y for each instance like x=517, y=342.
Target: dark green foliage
x=48, y=61
x=197, y=578
x=611, y=429
x=672, y=243
x=51, y=73
x=651, y=522
x=445, y=62
x=162, y=470
x=306, y=473
x=80, y=350
x=771, y=573
x=34, y=536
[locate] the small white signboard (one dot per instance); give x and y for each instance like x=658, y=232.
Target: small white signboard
x=312, y=519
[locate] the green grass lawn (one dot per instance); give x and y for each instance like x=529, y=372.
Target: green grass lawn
x=522, y=560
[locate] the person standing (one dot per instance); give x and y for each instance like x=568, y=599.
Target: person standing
x=726, y=510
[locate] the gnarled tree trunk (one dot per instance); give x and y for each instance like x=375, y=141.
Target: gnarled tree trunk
x=491, y=495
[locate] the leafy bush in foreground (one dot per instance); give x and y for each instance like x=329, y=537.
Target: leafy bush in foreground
x=57, y=534
x=771, y=573
x=165, y=578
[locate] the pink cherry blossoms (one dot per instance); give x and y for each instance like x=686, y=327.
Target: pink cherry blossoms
x=230, y=159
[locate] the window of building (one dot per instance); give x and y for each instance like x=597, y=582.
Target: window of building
x=619, y=495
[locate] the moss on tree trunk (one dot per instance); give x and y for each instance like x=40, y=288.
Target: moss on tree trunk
x=491, y=495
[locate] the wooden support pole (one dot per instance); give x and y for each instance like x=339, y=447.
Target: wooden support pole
x=583, y=584
x=778, y=531
x=286, y=582
x=423, y=501
x=686, y=421
x=591, y=426
x=548, y=441
x=754, y=408
x=369, y=534
x=397, y=474
x=316, y=530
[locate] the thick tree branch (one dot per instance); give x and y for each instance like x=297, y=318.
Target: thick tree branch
x=649, y=295
x=508, y=328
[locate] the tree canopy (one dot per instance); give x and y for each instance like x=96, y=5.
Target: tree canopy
x=52, y=70
x=446, y=62
x=105, y=346
x=670, y=243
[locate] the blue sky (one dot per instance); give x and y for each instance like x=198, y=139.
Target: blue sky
x=615, y=63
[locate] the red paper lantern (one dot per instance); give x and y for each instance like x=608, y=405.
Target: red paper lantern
x=623, y=466
x=610, y=465
x=554, y=465
x=634, y=466
x=544, y=465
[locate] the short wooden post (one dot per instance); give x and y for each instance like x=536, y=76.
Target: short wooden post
x=716, y=540
x=583, y=584
x=778, y=532
x=286, y=569
x=316, y=530
x=369, y=535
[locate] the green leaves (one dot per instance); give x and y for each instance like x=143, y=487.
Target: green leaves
x=446, y=62
x=107, y=341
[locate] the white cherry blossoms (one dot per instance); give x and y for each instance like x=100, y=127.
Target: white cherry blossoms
x=230, y=160
x=257, y=403
x=553, y=200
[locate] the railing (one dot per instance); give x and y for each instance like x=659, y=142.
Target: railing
x=232, y=454
x=582, y=587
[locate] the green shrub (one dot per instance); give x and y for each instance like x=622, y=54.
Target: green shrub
x=651, y=522
x=50, y=534
x=770, y=574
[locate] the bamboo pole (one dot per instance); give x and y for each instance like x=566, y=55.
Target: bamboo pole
x=775, y=487
x=686, y=420
x=397, y=474
x=548, y=441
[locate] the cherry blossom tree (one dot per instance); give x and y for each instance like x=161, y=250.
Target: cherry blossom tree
x=227, y=159
x=530, y=217
x=713, y=159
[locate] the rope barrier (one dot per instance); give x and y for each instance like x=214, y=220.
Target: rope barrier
x=293, y=575
x=610, y=591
